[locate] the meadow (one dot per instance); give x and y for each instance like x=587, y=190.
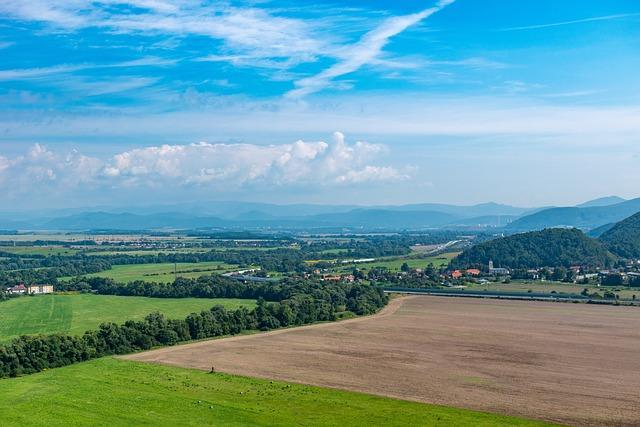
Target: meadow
x=558, y=287
x=114, y=392
x=141, y=252
x=395, y=263
x=75, y=314
x=163, y=272
x=39, y=250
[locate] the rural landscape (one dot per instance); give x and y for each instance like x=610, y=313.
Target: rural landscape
x=340, y=213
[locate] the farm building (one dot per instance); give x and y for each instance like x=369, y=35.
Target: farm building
x=39, y=289
x=17, y=290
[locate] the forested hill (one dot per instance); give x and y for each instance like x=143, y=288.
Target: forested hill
x=547, y=248
x=623, y=239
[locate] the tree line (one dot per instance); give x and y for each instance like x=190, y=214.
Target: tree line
x=300, y=303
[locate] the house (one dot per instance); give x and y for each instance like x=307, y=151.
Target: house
x=473, y=272
x=17, y=290
x=456, y=274
x=39, y=289
x=331, y=278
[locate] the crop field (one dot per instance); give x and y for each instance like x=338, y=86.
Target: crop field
x=75, y=314
x=575, y=364
x=163, y=272
x=115, y=392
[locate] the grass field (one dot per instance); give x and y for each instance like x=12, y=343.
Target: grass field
x=141, y=252
x=559, y=287
x=395, y=263
x=163, y=273
x=76, y=314
x=39, y=250
x=116, y=393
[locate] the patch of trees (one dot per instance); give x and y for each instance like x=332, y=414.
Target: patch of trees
x=16, y=269
x=554, y=247
x=623, y=239
x=297, y=304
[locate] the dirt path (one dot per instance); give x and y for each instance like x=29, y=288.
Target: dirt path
x=572, y=363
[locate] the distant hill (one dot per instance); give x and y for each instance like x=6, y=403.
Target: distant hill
x=584, y=218
x=599, y=231
x=128, y=221
x=546, y=248
x=602, y=201
x=233, y=215
x=471, y=211
x=623, y=239
x=379, y=218
x=485, y=221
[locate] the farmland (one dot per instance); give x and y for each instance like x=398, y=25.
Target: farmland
x=570, y=363
x=118, y=392
x=163, y=272
x=75, y=314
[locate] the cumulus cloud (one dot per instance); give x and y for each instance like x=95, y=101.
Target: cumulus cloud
x=209, y=166
x=297, y=163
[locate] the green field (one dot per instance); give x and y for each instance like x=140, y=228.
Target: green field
x=141, y=252
x=558, y=287
x=39, y=250
x=75, y=314
x=114, y=392
x=163, y=273
x=395, y=263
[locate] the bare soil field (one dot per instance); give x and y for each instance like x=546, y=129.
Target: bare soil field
x=575, y=364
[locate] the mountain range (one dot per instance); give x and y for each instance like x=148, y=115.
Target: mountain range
x=588, y=217
x=243, y=215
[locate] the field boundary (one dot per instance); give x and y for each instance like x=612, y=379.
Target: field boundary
x=388, y=310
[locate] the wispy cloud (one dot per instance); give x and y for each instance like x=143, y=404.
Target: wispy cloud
x=363, y=52
x=250, y=32
x=4, y=45
x=571, y=22
x=35, y=73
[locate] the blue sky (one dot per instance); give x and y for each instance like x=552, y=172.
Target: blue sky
x=149, y=101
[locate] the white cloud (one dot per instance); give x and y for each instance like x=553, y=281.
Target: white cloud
x=575, y=21
x=36, y=73
x=248, y=32
x=299, y=163
x=365, y=51
x=203, y=165
x=251, y=36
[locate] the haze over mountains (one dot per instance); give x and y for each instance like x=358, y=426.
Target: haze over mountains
x=229, y=214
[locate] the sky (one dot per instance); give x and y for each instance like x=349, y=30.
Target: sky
x=116, y=102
